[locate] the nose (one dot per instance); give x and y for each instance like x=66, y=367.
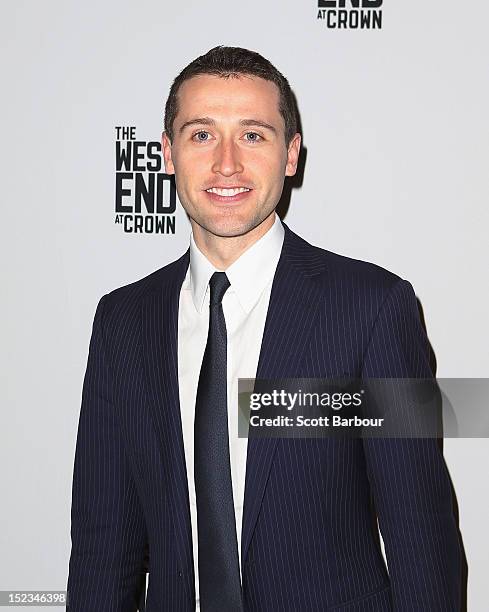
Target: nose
x=227, y=160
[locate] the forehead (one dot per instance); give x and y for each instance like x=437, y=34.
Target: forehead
x=229, y=98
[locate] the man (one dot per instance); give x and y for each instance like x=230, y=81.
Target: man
x=272, y=525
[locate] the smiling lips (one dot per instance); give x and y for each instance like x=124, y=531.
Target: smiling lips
x=227, y=195
x=227, y=192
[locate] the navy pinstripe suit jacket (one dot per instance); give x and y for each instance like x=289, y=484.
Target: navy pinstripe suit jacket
x=308, y=539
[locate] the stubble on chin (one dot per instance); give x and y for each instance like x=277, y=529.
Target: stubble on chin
x=229, y=226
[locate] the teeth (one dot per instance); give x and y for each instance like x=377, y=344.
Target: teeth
x=227, y=192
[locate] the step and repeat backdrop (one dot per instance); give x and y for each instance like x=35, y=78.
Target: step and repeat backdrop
x=393, y=98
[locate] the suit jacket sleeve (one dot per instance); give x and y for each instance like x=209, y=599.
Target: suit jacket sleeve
x=107, y=524
x=408, y=477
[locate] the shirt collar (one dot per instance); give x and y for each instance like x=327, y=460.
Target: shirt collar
x=248, y=275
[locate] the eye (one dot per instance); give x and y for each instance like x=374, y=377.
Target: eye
x=200, y=136
x=256, y=137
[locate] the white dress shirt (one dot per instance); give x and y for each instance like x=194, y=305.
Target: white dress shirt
x=245, y=306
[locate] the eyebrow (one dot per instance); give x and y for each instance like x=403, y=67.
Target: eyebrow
x=243, y=122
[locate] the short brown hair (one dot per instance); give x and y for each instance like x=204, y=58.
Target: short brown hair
x=232, y=61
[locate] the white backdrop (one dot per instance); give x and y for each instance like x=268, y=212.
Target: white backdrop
x=396, y=128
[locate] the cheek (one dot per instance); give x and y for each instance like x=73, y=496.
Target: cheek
x=188, y=161
x=273, y=159
x=190, y=171
x=268, y=172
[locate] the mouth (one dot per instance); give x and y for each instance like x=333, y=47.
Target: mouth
x=228, y=194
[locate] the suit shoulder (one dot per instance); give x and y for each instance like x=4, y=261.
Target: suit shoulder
x=126, y=299
x=357, y=271
x=346, y=269
x=340, y=268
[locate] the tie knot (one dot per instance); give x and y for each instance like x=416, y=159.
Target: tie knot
x=218, y=285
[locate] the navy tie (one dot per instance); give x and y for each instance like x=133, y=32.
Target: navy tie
x=219, y=580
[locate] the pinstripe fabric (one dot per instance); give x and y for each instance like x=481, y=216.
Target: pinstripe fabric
x=307, y=541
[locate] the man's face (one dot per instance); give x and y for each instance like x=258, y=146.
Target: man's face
x=228, y=152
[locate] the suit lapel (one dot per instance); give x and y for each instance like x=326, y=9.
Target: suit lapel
x=292, y=311
x=159, y=318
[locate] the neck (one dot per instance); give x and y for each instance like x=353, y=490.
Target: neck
x=222, y=251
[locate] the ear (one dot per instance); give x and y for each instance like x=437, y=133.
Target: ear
x=166, y=147
x=293, y=152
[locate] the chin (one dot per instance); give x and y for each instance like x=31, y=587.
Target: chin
x=228, y=230
x=230, y=222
